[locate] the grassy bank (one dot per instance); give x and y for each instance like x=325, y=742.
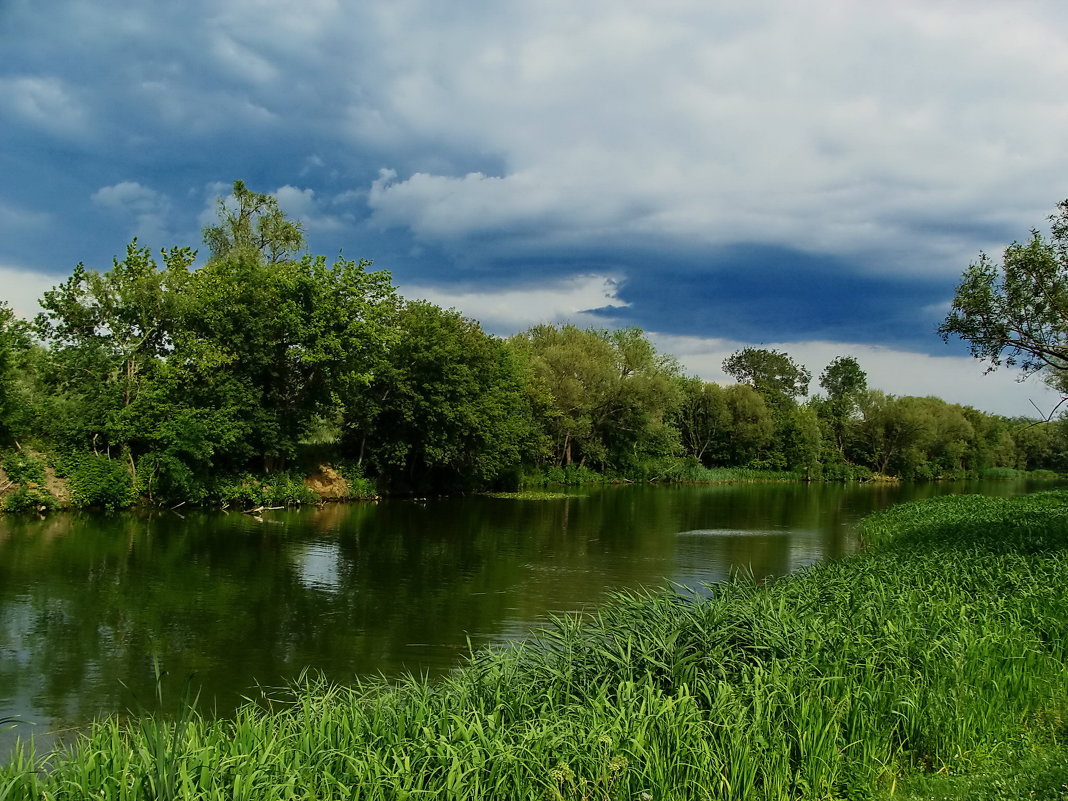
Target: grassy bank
x=935, y=664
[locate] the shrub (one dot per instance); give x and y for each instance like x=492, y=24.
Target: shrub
x=360, y=486
x=28, y=499
x=275, y=489
x=96, y=480
x=1001, y=473
x=30, y=493
x=163, y=477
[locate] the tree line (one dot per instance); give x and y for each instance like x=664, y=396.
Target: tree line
x=172, y=381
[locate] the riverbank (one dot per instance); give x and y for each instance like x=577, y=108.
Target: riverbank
x=933, y=660
x=37, y=481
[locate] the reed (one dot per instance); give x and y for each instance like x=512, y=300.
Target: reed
x=940, y=653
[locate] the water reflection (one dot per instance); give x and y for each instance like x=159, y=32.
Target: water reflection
x=87, y=601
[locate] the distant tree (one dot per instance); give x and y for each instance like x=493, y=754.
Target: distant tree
x=252, y=224
x=611, y=394
x=702, y=416
x=1016, y=313
x=802, y=440
x=751, y=430
x=845, y=383
x=772, y=373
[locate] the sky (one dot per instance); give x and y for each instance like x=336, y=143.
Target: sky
x=811, y=177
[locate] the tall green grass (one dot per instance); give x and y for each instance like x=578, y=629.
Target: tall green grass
x=942, y=650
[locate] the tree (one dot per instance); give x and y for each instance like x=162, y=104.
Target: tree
x=14, y=345
x=1016, y=313
x=451, y=410
x=845, y=384
x=752, y=426
x=610, y=391
x=702, y=416
x=772, y=373
x=253, y=224
x=280, y=345
x=109, y=333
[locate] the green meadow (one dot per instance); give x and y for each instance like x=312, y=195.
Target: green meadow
x=934, y=664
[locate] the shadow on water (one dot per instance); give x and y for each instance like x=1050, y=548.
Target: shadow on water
x=87, y=602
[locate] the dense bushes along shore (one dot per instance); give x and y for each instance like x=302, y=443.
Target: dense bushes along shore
x=936, y=661
x=208, y=382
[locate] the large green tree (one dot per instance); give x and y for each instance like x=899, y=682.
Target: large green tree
x=702, y=417
x=450, y=410
x=279, y=346
x=1016, y=313
x=108, y=334
x=610, y=394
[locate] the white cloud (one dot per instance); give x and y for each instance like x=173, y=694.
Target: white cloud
x=506, y=311
x=22, y=288
x=832, y=126
x=956, y=379
x=150, y=210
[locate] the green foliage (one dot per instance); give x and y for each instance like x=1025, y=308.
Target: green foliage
x=451, y=410
x=571, y=475
x=15, y=350
x=28, y=475
x=95, y=480
x=184, y=374
x=772, y=373
x=1016, y=313
x=609, y=395
x=23, y=468
x=29, y=499
x=845, y=384
x=252, y=225
x=286, y=488
x=361, y=487
x=108, y=333
x=273, y=348
x=840, y=471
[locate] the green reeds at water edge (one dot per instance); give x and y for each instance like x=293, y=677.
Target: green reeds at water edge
x=940, y=651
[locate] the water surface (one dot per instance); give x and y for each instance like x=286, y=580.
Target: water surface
x=224, y=602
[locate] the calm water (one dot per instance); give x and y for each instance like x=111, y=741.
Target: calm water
x=87, y=601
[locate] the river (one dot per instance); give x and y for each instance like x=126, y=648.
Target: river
x=226, y=603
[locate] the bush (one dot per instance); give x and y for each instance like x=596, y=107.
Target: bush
x=30, y=493
x=163, y=477
x=96, y=480
x=360, y=486
x=841, y=471
x=23, y=469
x=1000, y=473
x=572, y=476
x=29, y=499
